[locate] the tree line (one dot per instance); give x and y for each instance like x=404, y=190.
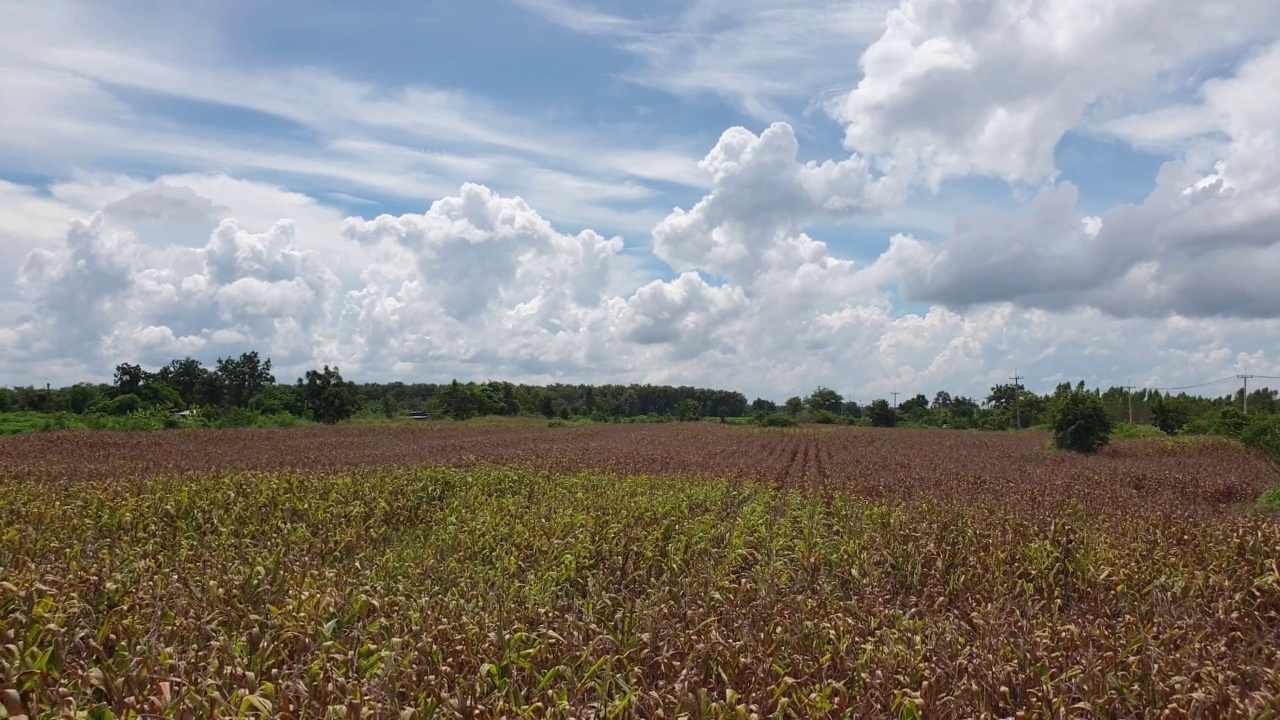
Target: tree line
x=1009, y=406
x=244, y=388
x=234, y=389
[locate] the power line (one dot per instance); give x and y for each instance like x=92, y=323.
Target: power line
x=1192, y=387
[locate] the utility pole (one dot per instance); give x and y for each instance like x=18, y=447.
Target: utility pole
x=895, y=394
x=1129, y=391
x=1244, y=394
x=1017, y=398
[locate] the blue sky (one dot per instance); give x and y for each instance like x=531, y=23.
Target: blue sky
x=918, y=191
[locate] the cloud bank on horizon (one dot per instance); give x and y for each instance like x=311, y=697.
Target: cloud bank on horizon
x=751, y=195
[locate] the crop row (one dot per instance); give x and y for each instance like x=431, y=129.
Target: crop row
x=1011, y=471
x=517, y=593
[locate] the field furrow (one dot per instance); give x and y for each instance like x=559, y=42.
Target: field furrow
x=696, y=570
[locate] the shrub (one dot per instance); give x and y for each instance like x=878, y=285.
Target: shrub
x=825, y=417
x=124, y=405
x=238, y=418
x=1127, y=431
x=689, y=410
x=1081, y=423
x=1230, y=422
x=777, y=419
x=1263, y=433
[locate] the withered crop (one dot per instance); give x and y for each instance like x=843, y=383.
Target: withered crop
x=633, y=572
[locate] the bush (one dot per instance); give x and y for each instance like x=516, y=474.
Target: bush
x=237, y=418
x=1081, y=423
x=689, y=410
x=1263, y=433
x=124, y=405
x=577, y=421
x=825, y=417
x=776, y=420
x=1230, y=422
x=1133, y=432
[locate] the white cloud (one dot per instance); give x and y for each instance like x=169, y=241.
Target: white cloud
x=27, y=220
x=545, y=309
x=497, y=279
x=79, y=72
x=763, y=57
x=1206, y=242
x=761, y=199
x=989, y=87
x=104, y=296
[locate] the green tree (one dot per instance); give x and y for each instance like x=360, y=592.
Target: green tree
x=510, y=403
x=327, y=397
x=688, y=410
x=882, y=414
x=159, y=395
x=390, y=408
x=457, y=401
x=629, y=405
x=794, y=406
x=1081, y=423
x=1170, y=415
x=244, y=377
x=277, y=399
x=824, y=399
x=191, y=380
x=914, y=405
x=79, y=398
x=1004, y=397
x=129, y=378
x=942, y=400
x=560, y=409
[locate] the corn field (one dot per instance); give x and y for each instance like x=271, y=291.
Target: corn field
x=633, y=571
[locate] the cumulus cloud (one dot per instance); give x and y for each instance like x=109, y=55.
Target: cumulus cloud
x=476, y=273
x=1205, y=242
x=989, y=87
x=477, y=247
x=103, y=295
x=75, y=289
x=762, y=197
x=745, y=292
x=803, y=317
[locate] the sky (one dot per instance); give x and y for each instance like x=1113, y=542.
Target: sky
x=763, y=196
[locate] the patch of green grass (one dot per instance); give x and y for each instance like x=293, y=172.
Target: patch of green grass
x=1269, y=500
x=575, y=422
x=15, y=423
x=1125, y=431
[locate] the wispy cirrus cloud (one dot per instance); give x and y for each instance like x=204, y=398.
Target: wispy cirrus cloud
x=99, y=99
x=771, y=60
